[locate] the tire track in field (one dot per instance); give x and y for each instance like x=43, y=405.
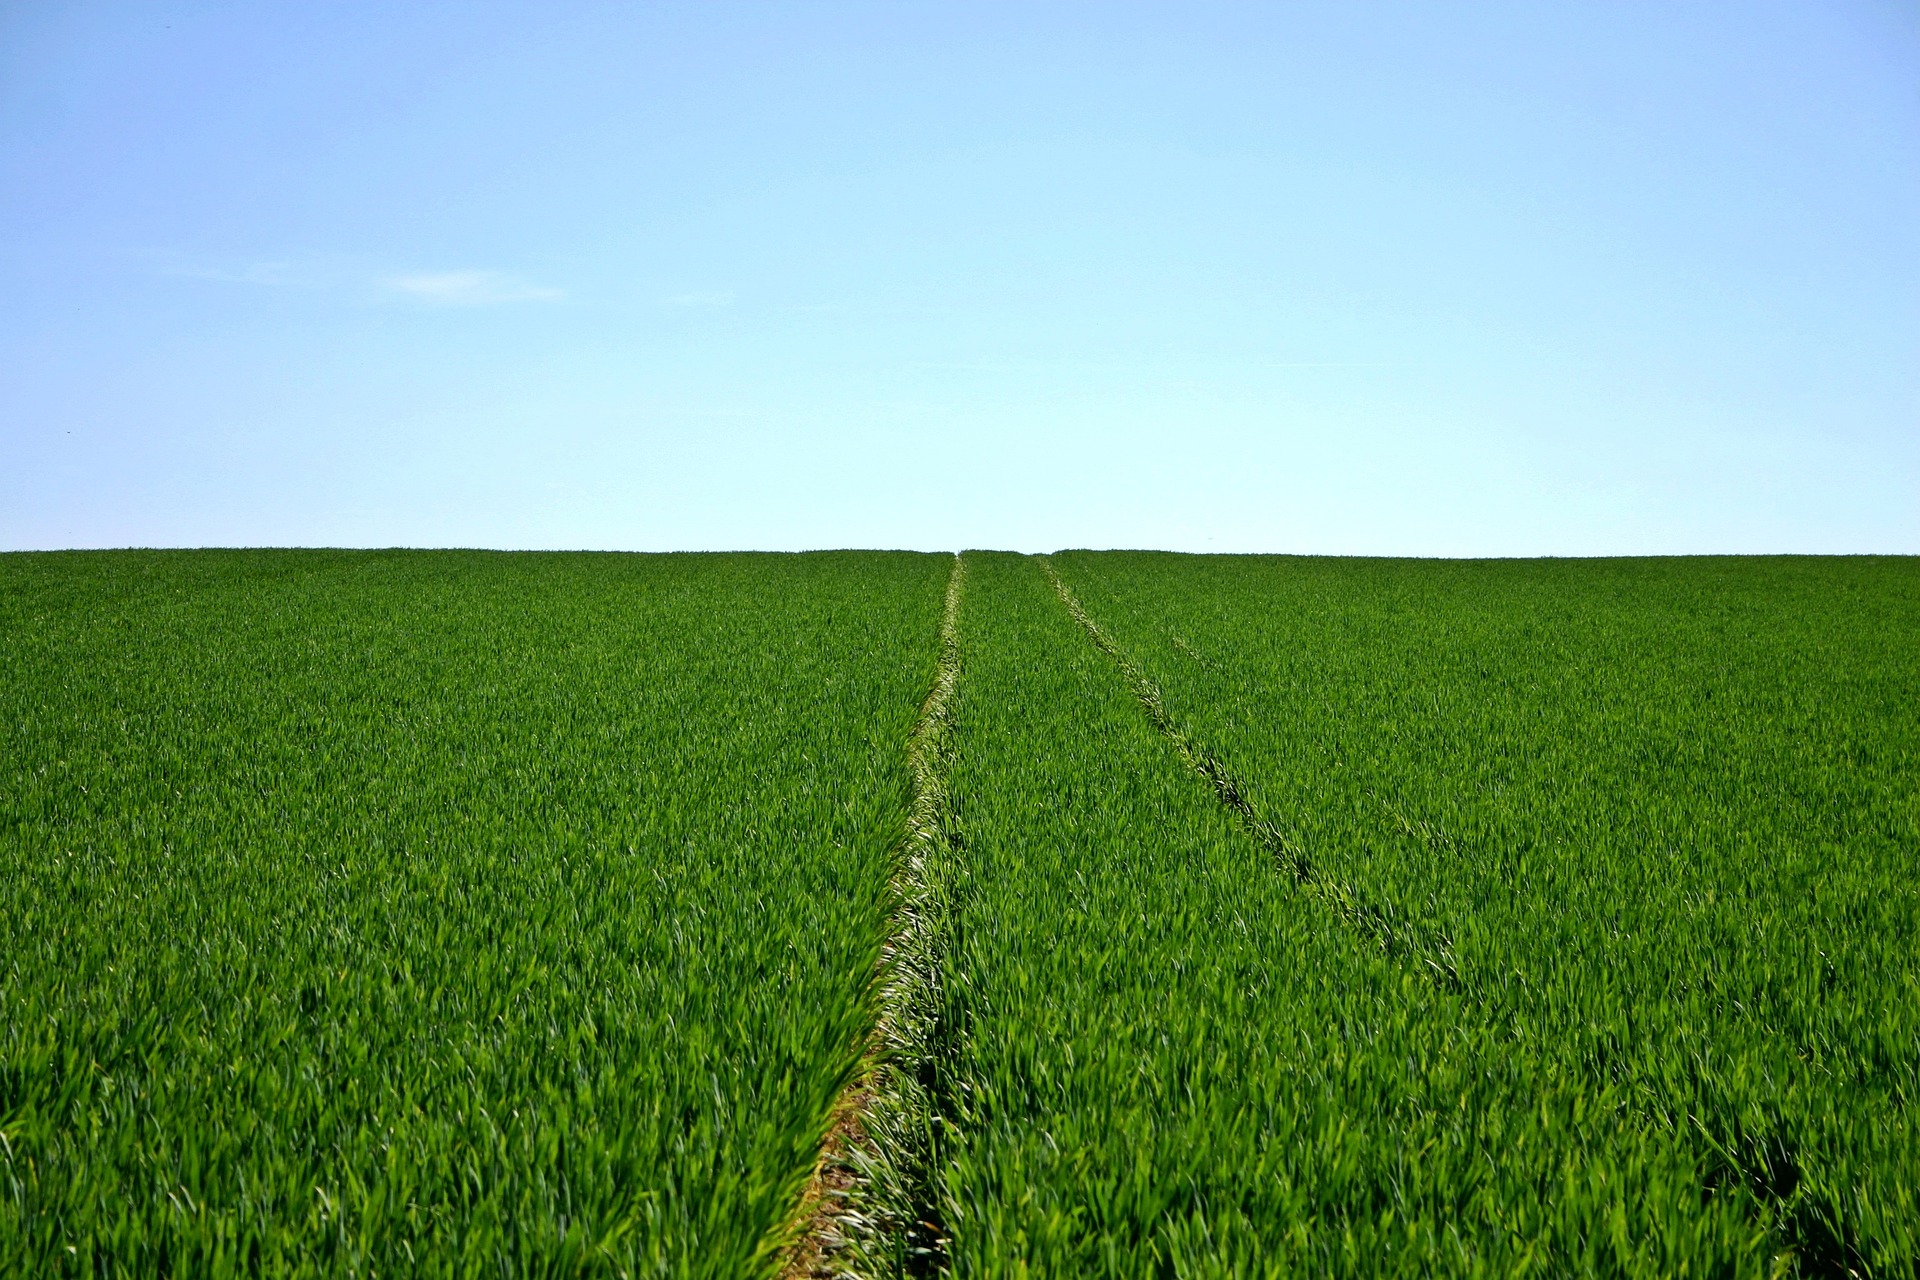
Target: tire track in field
x=866, y=1210
x=1389, y=927
x=1202, y=761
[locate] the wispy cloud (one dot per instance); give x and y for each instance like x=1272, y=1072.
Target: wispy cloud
x=468, y=288
x=716, y=298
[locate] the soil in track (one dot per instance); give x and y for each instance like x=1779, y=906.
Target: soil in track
x=868, y=1209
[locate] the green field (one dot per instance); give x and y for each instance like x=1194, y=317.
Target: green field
x=510, y=914
x=473, y=914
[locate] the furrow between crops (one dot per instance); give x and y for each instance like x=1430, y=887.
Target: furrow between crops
x=867, y=1210
x=1197, y=757
x=1390, y=929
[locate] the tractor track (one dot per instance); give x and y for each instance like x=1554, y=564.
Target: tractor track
x=865, y=1210
x=1388, y=928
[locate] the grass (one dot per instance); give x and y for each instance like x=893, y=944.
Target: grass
x=1168, y=1058
x=1651, y=822
x=447, y=913
x=472, y=914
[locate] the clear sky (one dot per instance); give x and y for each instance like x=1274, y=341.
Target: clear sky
x=1430, y=279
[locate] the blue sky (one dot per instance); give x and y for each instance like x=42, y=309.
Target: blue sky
x=1422, y=279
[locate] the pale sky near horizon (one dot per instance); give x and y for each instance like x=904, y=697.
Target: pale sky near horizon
x=1420, y=279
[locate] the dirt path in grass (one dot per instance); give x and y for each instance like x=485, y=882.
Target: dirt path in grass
x=863, y=1210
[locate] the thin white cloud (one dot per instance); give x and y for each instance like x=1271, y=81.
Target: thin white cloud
x=465, y=288
x=468, y=288
x=716, y=298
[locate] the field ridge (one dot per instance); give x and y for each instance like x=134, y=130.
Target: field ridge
x=865, y=1210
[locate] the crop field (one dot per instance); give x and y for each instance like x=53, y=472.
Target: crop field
x=1644, y=831
x=874, y=914
x=467, y=914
